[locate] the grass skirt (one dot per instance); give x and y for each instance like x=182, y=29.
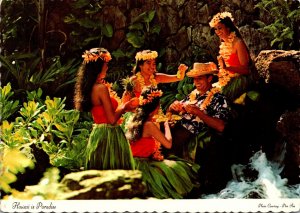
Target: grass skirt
x=236, y=87
x=170, y=178
x=108, y=149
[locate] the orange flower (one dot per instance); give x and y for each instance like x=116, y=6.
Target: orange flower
x=88, y=56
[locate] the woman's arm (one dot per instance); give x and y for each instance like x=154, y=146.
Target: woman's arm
x=111, y=115
x=165, y=78
x=151, y=130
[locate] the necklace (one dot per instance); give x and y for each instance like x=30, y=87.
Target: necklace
x=207, y=100
x=225, y=51
x=112, y=93
x=141, y=80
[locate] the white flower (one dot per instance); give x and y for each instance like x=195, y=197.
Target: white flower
x=146, y=55
x=217, y=18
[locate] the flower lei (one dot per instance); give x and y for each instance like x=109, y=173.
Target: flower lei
x=92, y=56
x=209, y=97
x=112, y=93
x=141, y=80
x=207, y=100
x=146, y=55
x=157, y=153
x=150, y=97
x=225, y=52
x=217, y=18
x=161, y=117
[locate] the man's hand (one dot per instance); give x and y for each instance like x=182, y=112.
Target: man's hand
x=176, y=106
x=192, y=109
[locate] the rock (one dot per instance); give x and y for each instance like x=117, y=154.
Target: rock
x=255, y=40
x=170, y=24
x=281, y=68
x=104, y=184
x=289, y=129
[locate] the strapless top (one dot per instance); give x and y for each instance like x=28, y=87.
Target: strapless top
x=234, y=61
x=144, y=147
x=99, y=114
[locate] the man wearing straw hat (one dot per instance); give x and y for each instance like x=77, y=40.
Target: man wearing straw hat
x=204, y=109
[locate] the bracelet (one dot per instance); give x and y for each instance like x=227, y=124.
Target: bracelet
x=178, y=74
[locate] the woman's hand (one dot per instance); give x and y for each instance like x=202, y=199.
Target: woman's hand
x=181, y=71
x=176, y=107
x=213, y=66
x=132, y=104
x=221, y=62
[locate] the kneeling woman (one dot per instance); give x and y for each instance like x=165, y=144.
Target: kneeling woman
x=165, y=178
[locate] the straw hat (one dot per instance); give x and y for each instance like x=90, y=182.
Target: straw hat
x=202, y=69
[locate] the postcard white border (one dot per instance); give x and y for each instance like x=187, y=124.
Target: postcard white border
x=153, y=205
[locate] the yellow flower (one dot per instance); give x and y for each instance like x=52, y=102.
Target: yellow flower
x=141, y=80
x=146, y=55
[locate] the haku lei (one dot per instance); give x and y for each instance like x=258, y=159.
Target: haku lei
x=146, y=55
x=218, y=17
x=92, y=57
x=150, y=97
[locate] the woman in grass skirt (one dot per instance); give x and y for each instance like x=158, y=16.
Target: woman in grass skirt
x=107, y=146
x=234, y=59
x=165, y=178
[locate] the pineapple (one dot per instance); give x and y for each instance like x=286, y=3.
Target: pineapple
x=128, y=86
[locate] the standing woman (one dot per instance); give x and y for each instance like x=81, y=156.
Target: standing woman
x=234, y=59
x=107, y=146
x=145, y=73
x=165, y=178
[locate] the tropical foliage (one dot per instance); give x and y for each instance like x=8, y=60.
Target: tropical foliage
x=281, y=28
x=59, y=132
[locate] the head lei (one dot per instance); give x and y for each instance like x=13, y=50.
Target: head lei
x=94, y=54
x=218, y=17
x=146, y=55
x=150, y=97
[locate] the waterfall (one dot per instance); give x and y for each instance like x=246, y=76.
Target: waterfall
x=268, y=183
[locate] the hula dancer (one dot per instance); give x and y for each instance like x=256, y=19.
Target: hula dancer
x=145, y=74
x=234, y=59
x=107, y=146
x=165, y=178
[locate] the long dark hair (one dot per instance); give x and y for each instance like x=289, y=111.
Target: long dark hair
x=140, y=61
x=86, y=78
x=135, y=124
x=229, y=23
x=137, y=68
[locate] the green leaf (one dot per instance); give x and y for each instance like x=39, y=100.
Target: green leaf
x=136, y=26
x=135, y=40
x=156, y=29
x=87, y=23
x=107, y=30
x=179, y=97
x=275, y=41
x=253, y=95
x=150, y=16
x=259, y=23
x=118, y=54
x=80, y=4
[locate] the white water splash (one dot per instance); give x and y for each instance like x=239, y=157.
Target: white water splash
x=268, y=185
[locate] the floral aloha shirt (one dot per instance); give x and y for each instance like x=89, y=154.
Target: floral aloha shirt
x=218, y=108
